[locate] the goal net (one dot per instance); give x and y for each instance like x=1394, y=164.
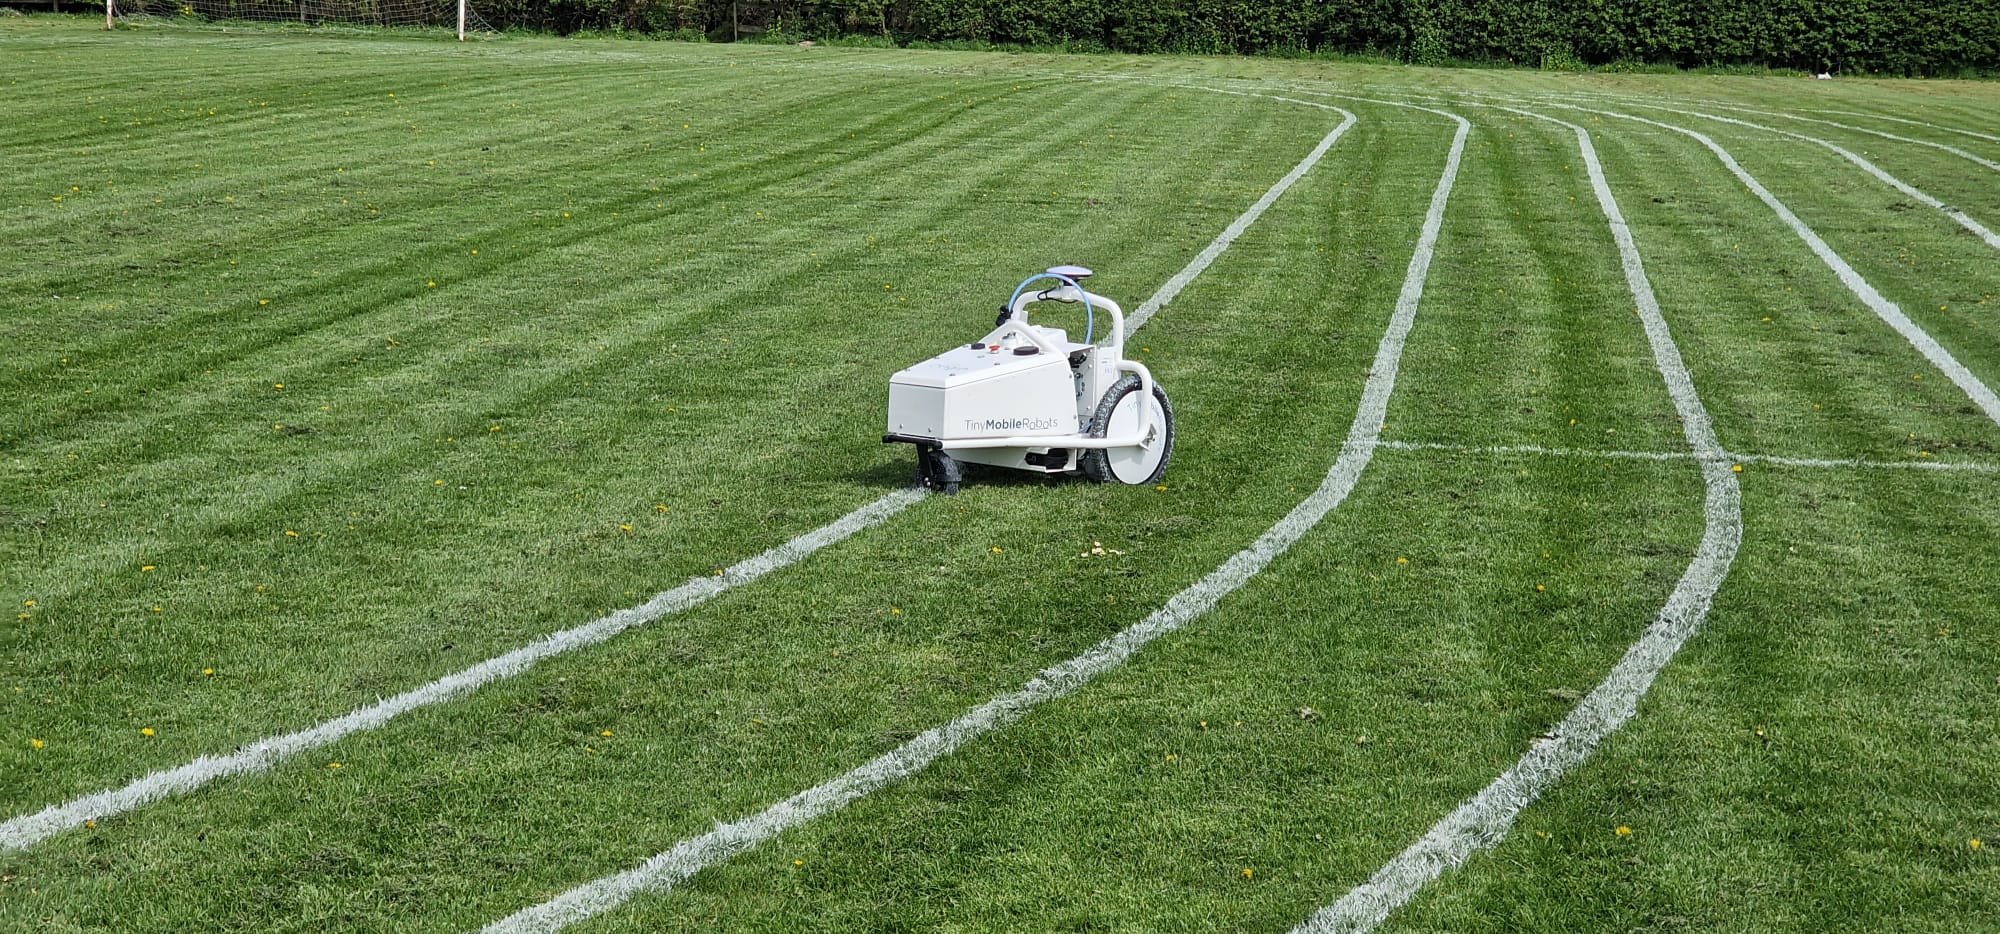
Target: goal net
x=377, y=13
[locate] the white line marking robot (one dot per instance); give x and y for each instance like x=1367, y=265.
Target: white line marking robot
x=1026, y=397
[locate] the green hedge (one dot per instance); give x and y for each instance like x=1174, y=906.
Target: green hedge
x=1933, y=37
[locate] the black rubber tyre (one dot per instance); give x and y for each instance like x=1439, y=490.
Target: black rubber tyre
x=1137, y=466
x=938, y=472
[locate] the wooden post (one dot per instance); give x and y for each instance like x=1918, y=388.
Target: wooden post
x=109, y=7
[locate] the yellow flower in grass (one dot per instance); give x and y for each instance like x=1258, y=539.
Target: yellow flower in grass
x=1971, y=844
x=38, y=744
x=147, y=732
x=1249, y=873
x=604, y=733
x=1623, y=831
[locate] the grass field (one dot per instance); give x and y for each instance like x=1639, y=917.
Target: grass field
x=336, y=365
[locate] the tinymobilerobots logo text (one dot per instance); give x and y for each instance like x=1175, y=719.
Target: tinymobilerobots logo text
x=1012, y=424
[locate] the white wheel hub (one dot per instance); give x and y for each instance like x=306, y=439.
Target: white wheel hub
x=1136, y=464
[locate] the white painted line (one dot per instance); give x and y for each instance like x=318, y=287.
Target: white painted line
x=29, y=829
x=1729, y=457
x=674, y=866
x=1886, y=310
x=1933, y=126
x=1992, y=239
x=1954, y=150
x=1237, y=227
x=1482, y=821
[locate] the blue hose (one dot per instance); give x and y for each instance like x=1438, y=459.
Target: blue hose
x=1089, y=312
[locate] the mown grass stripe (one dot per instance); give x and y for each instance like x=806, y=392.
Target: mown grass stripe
x=689, y=857
x=1883, y=308
x=27, y=830
x=1483, y=821
x=416, y=373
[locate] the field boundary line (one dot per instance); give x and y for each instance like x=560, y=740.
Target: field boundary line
x=1885, y=309
x=27, y=830
x=1736, y=457
x=1935, y=126
x=1964, y=220
x=1483, y=820
x=1954, y=150
x=690, y=856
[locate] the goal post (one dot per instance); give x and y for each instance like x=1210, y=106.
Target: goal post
x=460, y=17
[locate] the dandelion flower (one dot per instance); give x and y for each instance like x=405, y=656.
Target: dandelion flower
x=263, y=301
x=895, y=611
x=158, y=610
x=1971, y=844
x=142, y=569
x=1162, y=488
x=291, y=534
x=1402, y=560
x=146, y=732
x=1540, y=589
x=1737, y=468
x=277, y=385
x=624, y=528
x=999, y=550
x=208, y=672
x=333, y=765
x=28, y=603
x=37, y=743
x=1623, y=831
x=798, y=862
x=90, y=825
x=1248, y=873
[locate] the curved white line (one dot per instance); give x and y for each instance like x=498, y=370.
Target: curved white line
x=1890, y=314
x=1934, y=126
x=1482, y=821
x=690, y=856
x=1734, y=456
x=1992, y=239
x=26, y=830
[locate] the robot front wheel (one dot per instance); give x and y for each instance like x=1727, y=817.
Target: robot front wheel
x=1117, y=415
